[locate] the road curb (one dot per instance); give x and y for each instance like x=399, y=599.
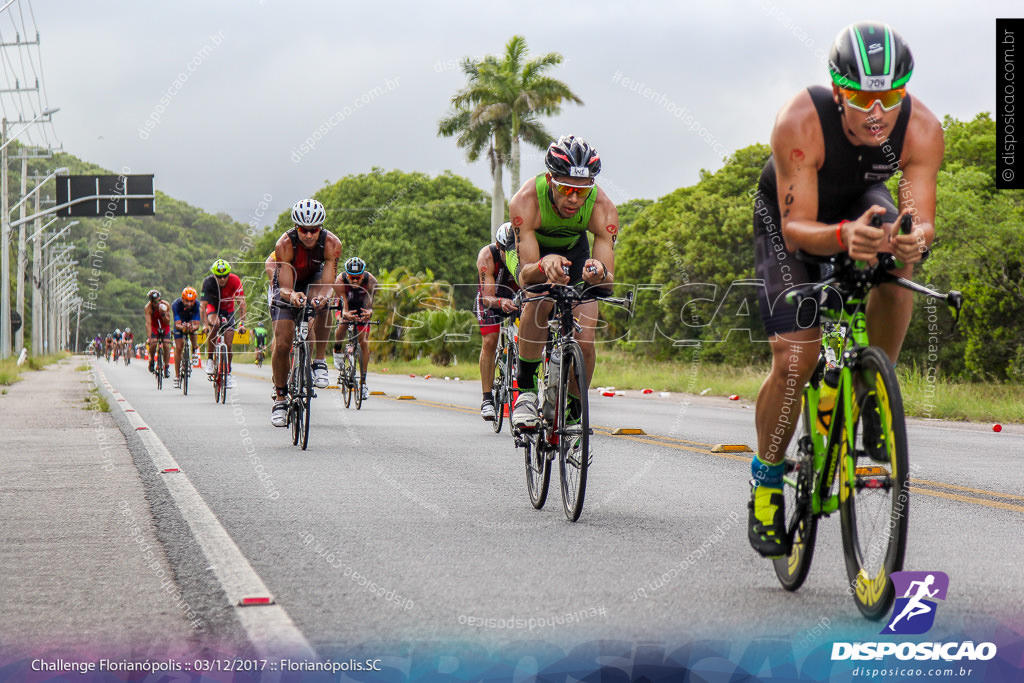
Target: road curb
x=268, y=627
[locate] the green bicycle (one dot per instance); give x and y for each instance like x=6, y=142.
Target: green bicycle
x=861, y=441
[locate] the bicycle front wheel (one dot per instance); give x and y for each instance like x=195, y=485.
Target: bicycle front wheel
x=873, y=493
x=538, y=468
x=801, y=523
x=305, y=394
x=346, y=379
x=222, y=374
x=358, y=379
x=574, y=430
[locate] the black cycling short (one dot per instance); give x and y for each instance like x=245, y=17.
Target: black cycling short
x=578, y=253
x=287, y=312
x=781, y=271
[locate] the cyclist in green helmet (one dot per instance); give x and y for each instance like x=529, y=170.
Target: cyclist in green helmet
x=222, y=290
x=832, y=151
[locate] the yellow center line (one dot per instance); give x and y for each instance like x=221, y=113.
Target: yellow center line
x=677, y=444
x=969, y=489
x=969, y=499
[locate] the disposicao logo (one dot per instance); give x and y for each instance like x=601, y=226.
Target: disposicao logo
x=914, y=613
x=914, y=610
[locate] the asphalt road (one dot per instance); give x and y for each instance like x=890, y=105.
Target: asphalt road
x=408, y=521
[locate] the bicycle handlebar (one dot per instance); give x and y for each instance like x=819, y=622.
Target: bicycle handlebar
x=547, y=291
x=850, y=279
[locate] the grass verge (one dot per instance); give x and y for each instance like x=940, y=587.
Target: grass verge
x=96, y=401
x=923, y=396
x=10, y=370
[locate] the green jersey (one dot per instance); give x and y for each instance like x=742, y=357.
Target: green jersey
x=556, y=232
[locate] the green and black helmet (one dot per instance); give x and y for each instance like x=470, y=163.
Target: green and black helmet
x=870, y=56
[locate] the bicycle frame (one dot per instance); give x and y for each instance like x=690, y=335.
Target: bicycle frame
x=845, y=332
x=848, y=333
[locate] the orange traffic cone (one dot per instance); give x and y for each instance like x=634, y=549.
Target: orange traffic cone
x=515, y=395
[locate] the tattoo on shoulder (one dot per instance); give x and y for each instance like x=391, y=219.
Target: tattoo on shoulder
x=517, y=221
x=789, y=198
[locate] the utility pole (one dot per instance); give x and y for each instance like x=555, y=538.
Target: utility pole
x=5, y=238
x=19, y=336
x=37, y=292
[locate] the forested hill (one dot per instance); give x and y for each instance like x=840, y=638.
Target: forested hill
x=120, y=259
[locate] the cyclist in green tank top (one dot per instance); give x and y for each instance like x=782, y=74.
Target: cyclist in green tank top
x=552, y=215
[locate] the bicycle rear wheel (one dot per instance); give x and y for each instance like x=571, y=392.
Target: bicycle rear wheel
x=498, y=387
x=801, y=523
x=573, y=433
x=873, y=492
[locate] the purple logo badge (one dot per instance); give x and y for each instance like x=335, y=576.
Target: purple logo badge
x=916, y=595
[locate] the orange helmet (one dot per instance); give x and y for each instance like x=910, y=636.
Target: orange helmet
x=188, y=294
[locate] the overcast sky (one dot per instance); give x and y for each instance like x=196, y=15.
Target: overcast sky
x=261, y=76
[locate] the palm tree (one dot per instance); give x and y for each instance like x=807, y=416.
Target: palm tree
x=500, y=107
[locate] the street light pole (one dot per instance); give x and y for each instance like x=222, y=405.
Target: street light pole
x=5, y=236
x=37, y=292
x=23, y=252
x=19, y=336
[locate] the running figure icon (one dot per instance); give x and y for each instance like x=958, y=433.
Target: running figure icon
x=914, y=605
x=918, y=593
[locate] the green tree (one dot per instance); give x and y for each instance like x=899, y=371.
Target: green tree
x=393, y=219
x=500, y=107
x=691, y=254
x=979, y=250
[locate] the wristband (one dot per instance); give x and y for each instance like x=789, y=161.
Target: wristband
x=839, y=234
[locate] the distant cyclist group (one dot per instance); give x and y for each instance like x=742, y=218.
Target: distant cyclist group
x=821, y=195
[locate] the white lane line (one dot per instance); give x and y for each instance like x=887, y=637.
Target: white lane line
x=269, y=628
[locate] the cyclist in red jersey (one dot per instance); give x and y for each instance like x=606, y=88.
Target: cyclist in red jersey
x=158, y=324
x=221, y=289
x=306, y=263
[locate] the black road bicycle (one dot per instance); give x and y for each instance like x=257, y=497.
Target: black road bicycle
x=564, y=429
x=506, y=367
x=350, y=377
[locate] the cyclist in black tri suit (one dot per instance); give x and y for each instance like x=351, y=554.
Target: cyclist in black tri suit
x=305, y=262
x=493, y=304
x=356, y=287
x=832, y=150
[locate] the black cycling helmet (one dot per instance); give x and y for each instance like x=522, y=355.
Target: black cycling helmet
x=572, y=156
x=505, y=237
x=154, y=295
x=870, y=56
x=355, y=266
